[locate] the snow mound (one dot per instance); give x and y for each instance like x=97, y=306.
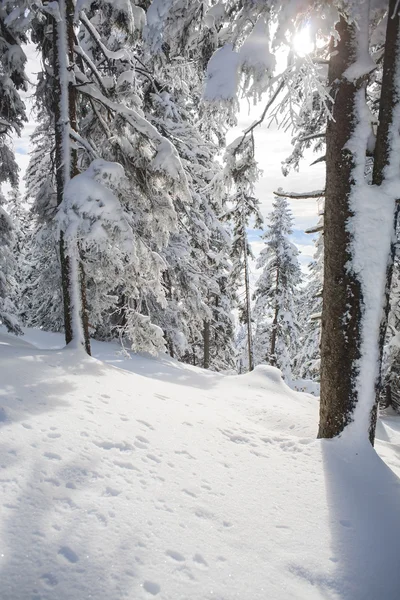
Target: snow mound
x=263, y=375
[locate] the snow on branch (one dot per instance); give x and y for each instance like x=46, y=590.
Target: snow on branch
x=299, y=195
x=90, y=211
x=316, y=229
x=167, y=158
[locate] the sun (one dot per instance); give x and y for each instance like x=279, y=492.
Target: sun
x=302, y=43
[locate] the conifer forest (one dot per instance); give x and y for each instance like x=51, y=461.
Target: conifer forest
x=189, y=408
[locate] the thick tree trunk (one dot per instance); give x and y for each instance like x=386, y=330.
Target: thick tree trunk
x=389, y=102
x=65, y=101
x=59, y=131
x=342, y=301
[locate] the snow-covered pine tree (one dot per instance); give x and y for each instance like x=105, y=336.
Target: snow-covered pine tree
x=8, y=283
x=390, y=393
x=199, y=301
x=110, y=99
x=309, y=305
x=198, y=311
x=241, y=172
x=275, y=311
x=12, y=117
x=20, y=220
x=41, y=298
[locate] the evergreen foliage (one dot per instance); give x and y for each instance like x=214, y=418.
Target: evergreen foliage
x=275, y=311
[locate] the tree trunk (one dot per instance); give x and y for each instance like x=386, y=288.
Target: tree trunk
x=247, y=291
x=206, y=339
x=342, y=300
x=72, y=271
x=274, y=333
x=389, y=102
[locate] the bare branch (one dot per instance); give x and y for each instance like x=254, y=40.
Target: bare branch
x=263, y=114
x=312, y=136
x=315, y=229
x=320, y=159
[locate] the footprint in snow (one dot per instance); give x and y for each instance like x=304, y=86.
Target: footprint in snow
x=151, y=587
x=52, y=456
x=141, y=445
x=200, y=561
x=175, y=555
x=126, y=465
x=121, y=446
x=145, y=423
x=153, y=458
x=185, y=453
x=69, y=555
x=109, y=491
x=49, y=580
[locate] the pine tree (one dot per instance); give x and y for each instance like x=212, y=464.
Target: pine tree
x=308, y=358
x=198, y=317
x=102, y=61
x=276, y=330
x=12, y=118
x=241, y=171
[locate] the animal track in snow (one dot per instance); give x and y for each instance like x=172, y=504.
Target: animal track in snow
x=200, y=561
x=126, y=465
x=185, y=453
x=142, y=439
x=109, y=491
x=175, y=555
x=122, y=447
x=140, y=445
x=54, y=482
x=69, y=555
x=52, y=456
x=203, y=514
x=151, y=587
x=145, y=423
x=153, y=458
x=49, y=580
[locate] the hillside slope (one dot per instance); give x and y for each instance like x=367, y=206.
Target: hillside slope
x=157, y=479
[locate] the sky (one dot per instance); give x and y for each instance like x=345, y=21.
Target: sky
x=273, y=146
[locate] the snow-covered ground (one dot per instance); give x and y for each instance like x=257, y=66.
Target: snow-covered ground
x=132, y=479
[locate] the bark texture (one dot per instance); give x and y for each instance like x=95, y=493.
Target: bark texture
x=342, y=301
x=206, y=343
x=59, y=128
